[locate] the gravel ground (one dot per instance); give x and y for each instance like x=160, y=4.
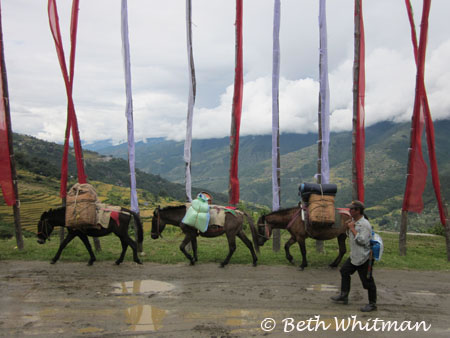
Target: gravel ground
x=75, y=300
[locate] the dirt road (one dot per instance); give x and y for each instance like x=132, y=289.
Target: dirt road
x=73, y=300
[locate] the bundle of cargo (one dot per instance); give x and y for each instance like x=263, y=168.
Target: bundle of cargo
x=81, y=206
x=319, y=199
x=308, y=189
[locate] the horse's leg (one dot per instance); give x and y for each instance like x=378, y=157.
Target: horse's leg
x=287, y=251
x=124, y=250
x=194, y=247
x=342, y=250
x=231, y=237
x=128, y=241
x=64, y=243
x=301, y=243
x=88, y=246
x=186, y=240
x=248, y=243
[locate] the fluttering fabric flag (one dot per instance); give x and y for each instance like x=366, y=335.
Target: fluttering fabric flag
x=413, y=28
x=275, y=108
x=358, y=119
x=129, y=105
x=72, y=123
x=236, y=110
x=6, y=181
x=417, y=169
x=191, y=101
x=324, y=107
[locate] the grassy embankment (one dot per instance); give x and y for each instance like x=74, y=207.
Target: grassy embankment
x=424, y=252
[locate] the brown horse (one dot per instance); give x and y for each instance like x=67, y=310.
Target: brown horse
x=233, y=227
x=291, y=220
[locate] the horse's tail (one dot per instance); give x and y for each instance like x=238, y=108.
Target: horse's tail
x=140, y=230
x=253, y=230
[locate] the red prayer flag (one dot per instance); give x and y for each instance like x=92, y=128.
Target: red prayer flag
x=359, y=131
x=6, y=181
x=417, y=169
x=237, y=108
x=72, y=123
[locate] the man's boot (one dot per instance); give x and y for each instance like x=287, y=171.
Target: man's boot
x=342, y=298
x=369, y=307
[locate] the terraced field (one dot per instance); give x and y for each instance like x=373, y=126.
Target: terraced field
x=38, y=194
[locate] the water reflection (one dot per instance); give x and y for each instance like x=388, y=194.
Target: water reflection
x=322, y=287
x=142, y=286
x=423, y=293
x=90, y=329
x=238, y=317
x=144, y=318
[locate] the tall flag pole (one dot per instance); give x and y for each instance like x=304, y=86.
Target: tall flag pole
x=233, y=189
x=191, y=101
x=275, y=108
x=276, y=119
x=324, y=100
x=417, y=168
x=129, y=105
x=358, y=136
x=8, y=176
x=323, y=166
x=72, y=123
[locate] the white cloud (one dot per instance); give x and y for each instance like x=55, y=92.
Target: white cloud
x=160, y=75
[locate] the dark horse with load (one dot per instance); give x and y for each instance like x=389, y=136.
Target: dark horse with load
x=300, y=232
x=291, y=219
x=233, y=226
x=56, y=217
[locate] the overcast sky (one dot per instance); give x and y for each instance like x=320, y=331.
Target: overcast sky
x=160, y=75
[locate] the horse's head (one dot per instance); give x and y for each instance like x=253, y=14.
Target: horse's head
x=45, y=228
x=263, y=231
x=157, y=225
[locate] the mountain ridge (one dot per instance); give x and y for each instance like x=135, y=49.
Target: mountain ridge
x=387, y=146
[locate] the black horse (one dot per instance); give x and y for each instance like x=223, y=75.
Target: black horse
x=56, y=217
x=233, y=227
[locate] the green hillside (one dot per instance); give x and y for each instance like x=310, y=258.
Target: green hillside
x=38, y=164
x=44, y=158
x=38, y=171
x=385, y=169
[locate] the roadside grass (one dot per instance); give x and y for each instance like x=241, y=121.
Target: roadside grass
x=423, y=252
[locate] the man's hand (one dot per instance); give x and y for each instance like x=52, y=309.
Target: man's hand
x=351, y=226
x=351, y=223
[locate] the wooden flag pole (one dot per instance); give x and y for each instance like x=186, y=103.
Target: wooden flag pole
x=356, y=69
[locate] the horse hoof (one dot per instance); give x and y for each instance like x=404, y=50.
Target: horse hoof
x=332, y=266
x=52, y=262
x=255, y=264
x=139, y=262
x=222, y=265
x=90, y=263
x=118, y=262
x=301, y=268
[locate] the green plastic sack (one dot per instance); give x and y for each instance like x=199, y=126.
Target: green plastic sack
x=198, y=215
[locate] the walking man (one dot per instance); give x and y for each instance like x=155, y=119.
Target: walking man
x=359, y=232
